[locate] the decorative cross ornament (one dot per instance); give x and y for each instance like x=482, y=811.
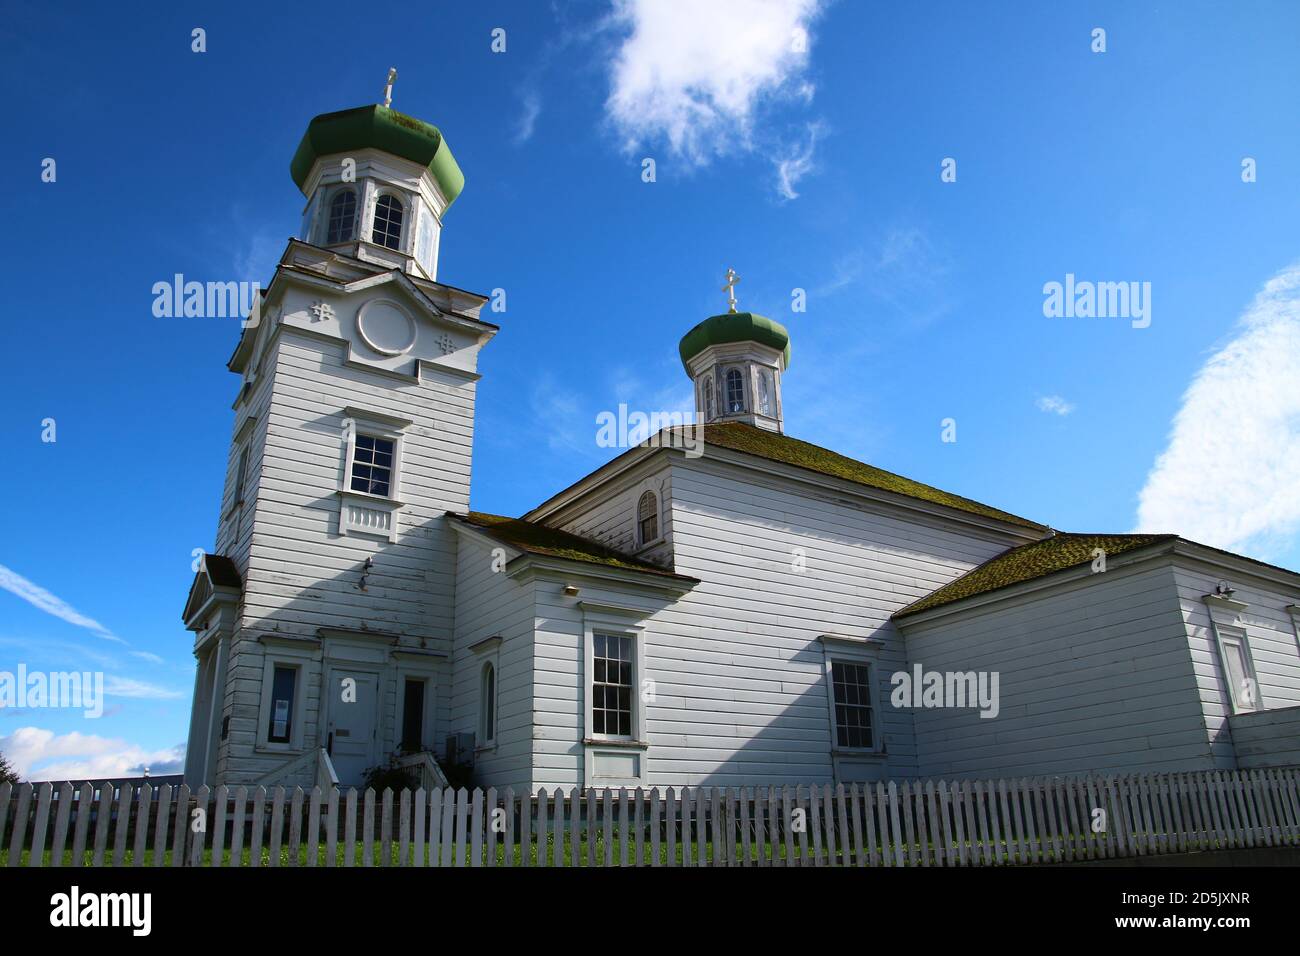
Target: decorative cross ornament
x=388, y=87
x=730, y=289
x=322, y=312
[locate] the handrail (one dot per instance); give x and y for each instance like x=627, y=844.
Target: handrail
x=431, y=775
x=285, y=769
x=325, y=775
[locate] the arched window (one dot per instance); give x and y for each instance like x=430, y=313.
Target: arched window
x=488, y=705
x=708, y=398
x=388, y=222
x=647, y=517
x=343, y=217
x=735, y=391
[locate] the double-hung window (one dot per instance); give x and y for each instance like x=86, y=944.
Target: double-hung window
x=372, y=465
x=851, y=698
x=612, y=682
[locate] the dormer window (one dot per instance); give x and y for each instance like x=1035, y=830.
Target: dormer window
x=343, y=217
x=735, y=391
x=387, y=231
x=647, y=518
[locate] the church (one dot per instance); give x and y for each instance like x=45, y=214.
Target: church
x=722, y=605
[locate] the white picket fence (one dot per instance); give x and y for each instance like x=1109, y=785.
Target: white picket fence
x=909, y=823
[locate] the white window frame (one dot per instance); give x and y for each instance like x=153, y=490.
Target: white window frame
x=328, y=209
x=360, y=421
x=487, y=706
x=759, y=370
x=862, y=652
x=615, y=628
x=302, y=661
x=1230, y=638
x=746, y=406
x=487, y=651
x=404, y=231
x=643, y=542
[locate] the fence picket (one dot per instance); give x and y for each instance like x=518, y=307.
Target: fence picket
x=448, y=826
x=237, y=828
x=295, y=825
x=350, y=828
x=277, y=827
x=197, y=826
x=404, y=828
x=45, y=794
x=61, y=818
x=654, y=826
x=103, y=819
x=331, y=826
x=476, y=828
x=638, y=825
x=18, y=834
x=435, y=826
x=6, y=791
x=313, y=827
x=257, y=825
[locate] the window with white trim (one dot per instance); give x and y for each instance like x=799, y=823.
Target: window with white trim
x=735, y=391
x=707, y=388
x=284, y=691
x=851, y=697
x=766, y=392
x=1239, y=670
x=487, y=722
x=241, y=475
x=612, y=681
x=647, y=518
x=343, y=217
x=372, y=465
x=387, y=230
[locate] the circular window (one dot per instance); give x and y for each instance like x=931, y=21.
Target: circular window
x=386, y=328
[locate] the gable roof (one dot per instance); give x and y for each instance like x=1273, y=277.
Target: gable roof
x=533, y=538
x=1027, y=562
x=215, y=571
x=738, y=436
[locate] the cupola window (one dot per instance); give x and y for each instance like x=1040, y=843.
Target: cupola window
x=766, y=401
x=388, y=222
x=735, y=391
x=708, y=399
x=343, y=217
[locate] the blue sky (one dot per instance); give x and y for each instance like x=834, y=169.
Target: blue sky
x=816, y=170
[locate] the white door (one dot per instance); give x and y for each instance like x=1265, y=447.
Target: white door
x=353, y=727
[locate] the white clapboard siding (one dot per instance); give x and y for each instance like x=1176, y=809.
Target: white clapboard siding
x=1094, y=673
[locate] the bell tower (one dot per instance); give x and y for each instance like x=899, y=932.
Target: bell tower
x=736, y=361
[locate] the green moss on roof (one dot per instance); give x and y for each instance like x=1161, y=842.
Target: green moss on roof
x=534, y=538
x=1030, y=561
x=739, y=436
x=378, y=127
x=734, y=327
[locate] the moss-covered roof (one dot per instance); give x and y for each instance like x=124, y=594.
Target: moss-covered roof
x=739, y=436
x=534, y=538
x=378, y=127
x=734, y=327
x=1030, y=561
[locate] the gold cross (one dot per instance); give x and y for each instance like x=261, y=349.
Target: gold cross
x=730, y=289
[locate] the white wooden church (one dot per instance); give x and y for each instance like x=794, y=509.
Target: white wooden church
x=767, y=612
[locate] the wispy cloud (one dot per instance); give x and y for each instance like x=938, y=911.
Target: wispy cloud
x=116, y=686
x=526, y=124
x=1230, y=475
x=39, y=754
x=901, y=267
x=1055, y=405
x=38, y=597
x=797, y=163
x=694, y=74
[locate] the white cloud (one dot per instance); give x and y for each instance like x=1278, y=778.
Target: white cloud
x=1055, y=404
x=37, y=596
x=527, y=122
x=39, y=754
x=694, y=73
x=797, y=164
x=1230, y=475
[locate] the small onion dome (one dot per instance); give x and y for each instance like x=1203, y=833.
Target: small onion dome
x=378, y=127
x=734, y=327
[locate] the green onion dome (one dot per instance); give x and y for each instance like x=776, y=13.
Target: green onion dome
x=734, y=327
x=378, y=127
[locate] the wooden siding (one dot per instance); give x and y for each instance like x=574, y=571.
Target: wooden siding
x=1095, y=676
